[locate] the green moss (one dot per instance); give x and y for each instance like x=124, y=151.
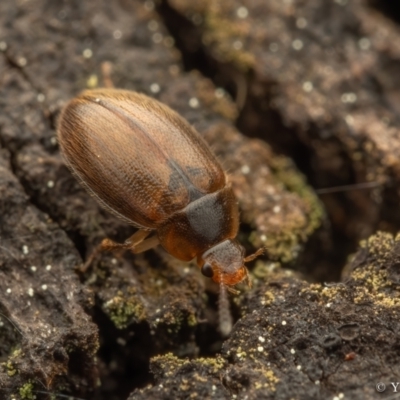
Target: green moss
x=295, y=182
x=123, y=310
x=192, y=320
x=284, y=244
x=10, y=368
x=26, y=391
x=9, y=365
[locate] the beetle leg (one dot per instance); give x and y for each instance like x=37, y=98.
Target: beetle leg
x=136, y=243
x=247, y=278
x=232, y=290
x=255, y=255
x=109, y=245
x=135, y=239
x=145, y=245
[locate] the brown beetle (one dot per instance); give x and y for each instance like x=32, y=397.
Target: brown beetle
x=146, y=165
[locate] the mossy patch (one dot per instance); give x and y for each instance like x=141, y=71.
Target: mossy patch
x=124, y=310
x=295, y=182
x=26, y=391
x=9, y=366
x=285, y=244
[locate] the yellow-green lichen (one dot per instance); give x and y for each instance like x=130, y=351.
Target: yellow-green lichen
x=186, y=374
x=270, y=379
x=373, y=276
x=171, y=364
x=240, y=353
x=371, y=279
x=267, y=299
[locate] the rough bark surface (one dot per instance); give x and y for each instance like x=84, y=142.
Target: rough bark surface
x=302, y=341
x=319, y=81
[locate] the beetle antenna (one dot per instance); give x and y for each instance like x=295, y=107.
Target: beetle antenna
x=12, y=323
x=225, y=316
x=61, y=395
x=53, y=394
x=351, y=187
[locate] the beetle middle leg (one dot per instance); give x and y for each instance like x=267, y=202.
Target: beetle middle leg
x=135, y=243
x=145, y=245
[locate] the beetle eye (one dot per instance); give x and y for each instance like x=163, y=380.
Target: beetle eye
x=207, y=270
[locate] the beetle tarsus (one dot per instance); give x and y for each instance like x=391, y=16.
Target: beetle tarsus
x=247, y=278
x=255, y=255
x=230, y=289
x=135, y=243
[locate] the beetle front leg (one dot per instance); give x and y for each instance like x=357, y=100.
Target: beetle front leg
x=255, y=255
x=134, y=243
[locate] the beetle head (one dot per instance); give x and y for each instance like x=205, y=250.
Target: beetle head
x=224, y=263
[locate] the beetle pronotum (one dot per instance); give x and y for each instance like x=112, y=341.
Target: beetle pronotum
x=146, y=165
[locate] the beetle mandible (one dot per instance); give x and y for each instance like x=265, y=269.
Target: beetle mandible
x=147, y=165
